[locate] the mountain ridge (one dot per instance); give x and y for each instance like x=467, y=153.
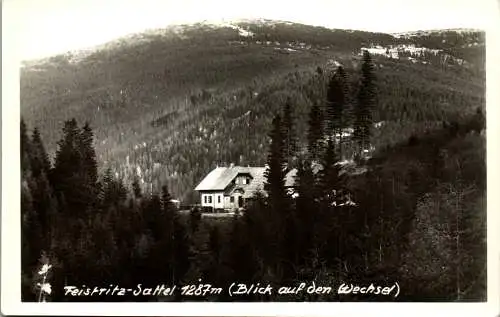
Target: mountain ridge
x=85, y=51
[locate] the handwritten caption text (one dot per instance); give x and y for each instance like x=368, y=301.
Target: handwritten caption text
x=234, y=290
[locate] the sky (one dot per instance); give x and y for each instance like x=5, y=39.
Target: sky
x=48, y=27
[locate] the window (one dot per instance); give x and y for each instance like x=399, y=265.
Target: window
x=205, y=198
x=231, y=199
x=218, y=199
x=209, y=199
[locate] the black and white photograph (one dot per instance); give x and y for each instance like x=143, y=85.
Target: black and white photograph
x=250, y=151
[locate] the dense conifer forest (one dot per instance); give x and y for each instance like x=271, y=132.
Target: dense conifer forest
x=415, y=180
x=168, y=106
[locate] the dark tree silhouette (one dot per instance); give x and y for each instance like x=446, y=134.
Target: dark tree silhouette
x=329, y=176
x=336, y=99
x=290, y=134
x=276, y=170
x=25, y=147
x=315, y=132
x=39, y=159
x=336, y=114
x=365, y=103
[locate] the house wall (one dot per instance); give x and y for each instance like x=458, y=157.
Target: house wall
x=217, y=200
x=228, y=204
x=212, y=199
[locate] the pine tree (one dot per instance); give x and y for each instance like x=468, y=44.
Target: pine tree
x=42, y=207
x=365, y=103
x=315, y=132
x=306, y=208
x=66, y=177
x=68, y=144
x=38, y=207
x=336, y=102
x=88, y=155
x=280, y=222
x=45, y=204
x=106, y=185
x=30, y=229
x=44, y=201
x=305, y=186
x=290, y=134
x=112, y=194
x=25, y=148
x=276, y=171
x=39, y=159
x=332, y=222
x=329, y=176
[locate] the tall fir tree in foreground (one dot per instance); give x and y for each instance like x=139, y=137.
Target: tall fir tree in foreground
x=88, y=163
x=289, y=134
x=276, y=171
x=279, y=207
x=315, y=132
x=66, y=169
x=39, y=159
x=336, y=102
x=38, y=205
x=306, y=210
x=365, y=104
x=329, y=176
x=74, y=175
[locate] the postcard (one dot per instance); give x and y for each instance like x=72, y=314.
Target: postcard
x=258, y=158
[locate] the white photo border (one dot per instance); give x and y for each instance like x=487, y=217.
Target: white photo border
x=11, y=252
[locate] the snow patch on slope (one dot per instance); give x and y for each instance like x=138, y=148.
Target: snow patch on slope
x=241, y=31
x=394, y=51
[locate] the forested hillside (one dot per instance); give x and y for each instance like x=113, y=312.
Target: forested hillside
x=416, y=213
x=168, y=105
x=389, y=152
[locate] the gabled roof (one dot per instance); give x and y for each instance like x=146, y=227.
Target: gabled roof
x=257, y=183
x=221, y=177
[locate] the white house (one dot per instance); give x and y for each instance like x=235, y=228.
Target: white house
x=228, y=188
